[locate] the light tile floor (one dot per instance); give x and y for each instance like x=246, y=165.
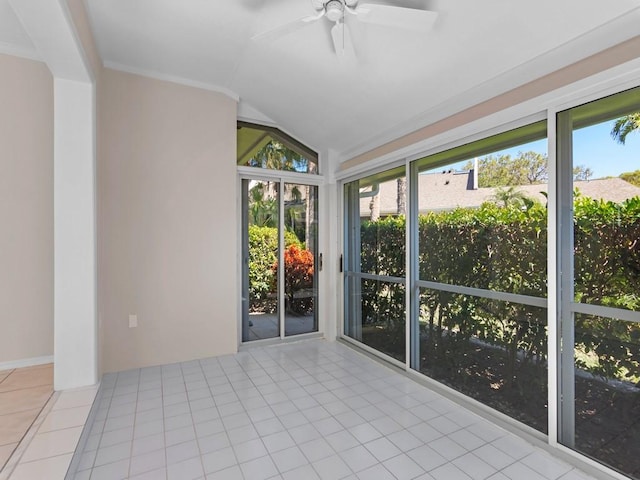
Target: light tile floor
x=47, y=449
x=23, y=394
x=301, y=411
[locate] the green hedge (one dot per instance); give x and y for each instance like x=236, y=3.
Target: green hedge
x=607, y=266
x=505, y=249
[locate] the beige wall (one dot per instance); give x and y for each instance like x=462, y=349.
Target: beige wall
x=26, y=209
x=167, y=222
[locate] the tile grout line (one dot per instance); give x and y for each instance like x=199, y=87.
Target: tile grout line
x=15, y=458
x=257, y=371
x=133, y=426
x=45, y=384
x=101, y=429
x=197, y=440
x=220, y=416
x=8, y=375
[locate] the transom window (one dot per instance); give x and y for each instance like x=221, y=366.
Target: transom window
x=268, y=147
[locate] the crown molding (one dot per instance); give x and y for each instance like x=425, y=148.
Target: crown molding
x=30, y=53
x=173, y=79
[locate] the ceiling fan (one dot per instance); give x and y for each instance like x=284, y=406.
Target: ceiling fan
x=337, y=10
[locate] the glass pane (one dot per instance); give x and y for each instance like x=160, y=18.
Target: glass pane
x=607, y=397
x=381, y=308
x=383, y=200
x=606, y=208
x=599, y=149
x=267, y=147
x=375, y=244
x=300, y=254
x=490, y=350
x=483, y=221
x=263, y=238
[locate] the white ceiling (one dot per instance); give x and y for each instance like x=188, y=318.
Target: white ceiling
x=13, y=38
x=400, y=80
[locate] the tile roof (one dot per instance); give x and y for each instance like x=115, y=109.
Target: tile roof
x=447, y=190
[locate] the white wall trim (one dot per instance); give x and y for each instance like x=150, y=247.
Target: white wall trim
x=249, y=114
x=51, y=30
x=375, y=166
x=30, y=53
x=552, y=282
x=26, y=362
x=172, y=78
x=75, y=318
x=328, y=286
x=266, y=174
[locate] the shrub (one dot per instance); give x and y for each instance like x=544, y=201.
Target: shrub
x=263, y=253
x=607, y=272
x=298, y=279
x=504, y=248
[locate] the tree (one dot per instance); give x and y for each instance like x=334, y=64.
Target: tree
x=528, y=168
x=632, y=177
x=624, y=126
x=502, y=170
x=582, y=173
x=508, y=196
x=402, y=196
x=276, y=156
x=374, y=207
x=534, y=166
x=263, y=209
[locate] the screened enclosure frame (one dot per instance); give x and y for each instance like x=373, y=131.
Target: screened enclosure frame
x=567, y=121
x=558, y=299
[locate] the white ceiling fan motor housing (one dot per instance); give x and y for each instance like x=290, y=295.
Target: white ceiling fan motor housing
x=334, y=10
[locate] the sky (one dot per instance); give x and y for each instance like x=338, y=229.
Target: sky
x=593, y=147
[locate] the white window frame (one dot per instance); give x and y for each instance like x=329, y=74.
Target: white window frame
x=546, y=106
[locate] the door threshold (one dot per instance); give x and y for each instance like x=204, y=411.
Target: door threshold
x=279, y=341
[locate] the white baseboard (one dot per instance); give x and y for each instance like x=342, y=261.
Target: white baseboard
x=26, y=362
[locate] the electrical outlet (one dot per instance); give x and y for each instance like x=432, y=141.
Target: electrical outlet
x=133, y=321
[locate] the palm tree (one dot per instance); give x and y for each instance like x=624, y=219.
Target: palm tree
x=374, y=208
x=509, y=196
x=624, y=126
x=263, y=210
x=401, y=198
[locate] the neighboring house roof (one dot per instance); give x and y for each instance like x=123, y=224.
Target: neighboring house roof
x=447, y=190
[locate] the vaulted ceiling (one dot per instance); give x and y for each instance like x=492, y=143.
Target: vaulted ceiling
x=399, y=80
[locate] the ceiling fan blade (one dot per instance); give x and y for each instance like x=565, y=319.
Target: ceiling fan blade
x=286, y=29
x=397, y=17
x=342, y=41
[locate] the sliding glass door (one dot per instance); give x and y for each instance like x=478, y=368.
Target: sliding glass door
x=599, y=245
x=469, y=307
x=375, y=283
x=279, y=229
x=513, y=276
